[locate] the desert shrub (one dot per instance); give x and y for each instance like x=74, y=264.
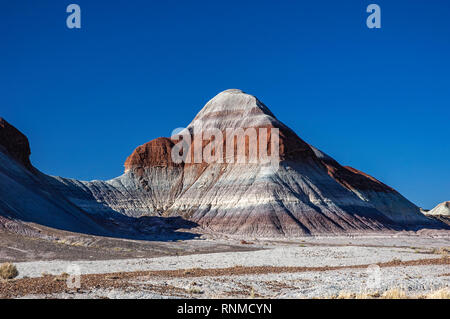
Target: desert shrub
x=443, y=251
x=394, y=293
x=362, y=295
x=193, y=290
x=252, y=293
x=443, y=293
x=8, y=271
x=62, y=277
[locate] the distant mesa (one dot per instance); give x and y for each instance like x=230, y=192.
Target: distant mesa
x=443, y=209
x=309, y=194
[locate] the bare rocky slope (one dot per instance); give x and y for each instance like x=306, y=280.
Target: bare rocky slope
x=26, y=197
x=309, y=194
x=29, y=197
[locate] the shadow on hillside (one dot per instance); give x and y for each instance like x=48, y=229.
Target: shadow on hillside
x=150, y=228
x=111, y=224
x=93, y=217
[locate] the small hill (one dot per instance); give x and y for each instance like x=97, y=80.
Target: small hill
x=442, y=209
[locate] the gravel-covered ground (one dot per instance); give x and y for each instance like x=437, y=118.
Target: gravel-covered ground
x=414, y=280
x=302, y=268
x=287, y=255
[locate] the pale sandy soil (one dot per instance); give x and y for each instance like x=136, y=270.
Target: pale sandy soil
x=273, y=254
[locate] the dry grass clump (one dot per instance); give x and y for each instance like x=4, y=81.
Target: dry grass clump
x=191, y=271
x=363, y=295
x=346, y=295
x=443, y=251
x=62, y=277
x=71, y=243
x=194, y=290
x=370, y=295
x=443, y=293
x=8, y=271
x=394, y=293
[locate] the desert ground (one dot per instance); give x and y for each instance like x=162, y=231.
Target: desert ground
x=404, y=264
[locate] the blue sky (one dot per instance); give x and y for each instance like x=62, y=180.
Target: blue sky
x=377, y=100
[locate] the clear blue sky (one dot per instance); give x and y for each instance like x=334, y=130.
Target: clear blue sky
x=378, y=100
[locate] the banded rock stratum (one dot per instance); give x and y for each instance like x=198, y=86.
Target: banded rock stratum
x=309, y=194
